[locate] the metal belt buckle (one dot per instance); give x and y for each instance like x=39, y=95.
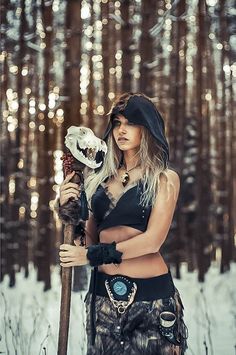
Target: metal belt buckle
x=121, y=292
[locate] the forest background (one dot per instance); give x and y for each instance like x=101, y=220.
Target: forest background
x=63, y=63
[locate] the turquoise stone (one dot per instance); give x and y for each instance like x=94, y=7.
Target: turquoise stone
x=120, y=288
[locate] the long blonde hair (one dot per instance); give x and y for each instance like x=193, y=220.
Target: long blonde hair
x=150, y=158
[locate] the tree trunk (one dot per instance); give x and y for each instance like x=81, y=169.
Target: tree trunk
x=126, y=41
x=223, y=227
x=45, y=161
x=146, y=46
x=72, y=65
x=105, y=56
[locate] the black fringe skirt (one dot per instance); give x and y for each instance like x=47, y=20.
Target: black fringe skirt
x=137, y=330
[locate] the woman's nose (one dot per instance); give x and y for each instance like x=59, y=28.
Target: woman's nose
x=122, y=128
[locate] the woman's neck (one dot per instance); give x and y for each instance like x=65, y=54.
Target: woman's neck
x=131, y=159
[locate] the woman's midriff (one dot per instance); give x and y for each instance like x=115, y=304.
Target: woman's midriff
x=149, y=265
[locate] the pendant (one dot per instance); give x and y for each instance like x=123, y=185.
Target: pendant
x=125, y=179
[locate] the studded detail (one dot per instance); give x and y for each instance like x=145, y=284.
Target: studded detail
x=124, y=291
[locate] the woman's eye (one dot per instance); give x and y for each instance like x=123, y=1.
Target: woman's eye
x=116, y=123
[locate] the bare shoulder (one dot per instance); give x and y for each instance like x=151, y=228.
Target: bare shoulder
x=170, y=180
x=173, y=176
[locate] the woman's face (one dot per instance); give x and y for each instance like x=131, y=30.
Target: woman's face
x=126, y=134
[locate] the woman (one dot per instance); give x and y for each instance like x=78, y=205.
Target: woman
x=132, y=304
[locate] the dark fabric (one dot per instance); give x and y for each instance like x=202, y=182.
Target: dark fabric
x=149, y=289
x=142, y=112
x=108, y=213
x=137, y=330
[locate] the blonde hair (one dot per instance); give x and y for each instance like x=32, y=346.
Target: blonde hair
x=151, y=159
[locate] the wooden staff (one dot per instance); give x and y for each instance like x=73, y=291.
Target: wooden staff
x=73, y=160
x=65, y=297
x=66, y=279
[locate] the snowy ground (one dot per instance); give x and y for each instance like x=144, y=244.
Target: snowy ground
x=30, y=317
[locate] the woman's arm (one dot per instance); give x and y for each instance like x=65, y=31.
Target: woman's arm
x=159, y=222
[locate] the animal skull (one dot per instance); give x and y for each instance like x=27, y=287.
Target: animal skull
x=85, y=146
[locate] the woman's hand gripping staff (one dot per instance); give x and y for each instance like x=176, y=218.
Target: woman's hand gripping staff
x=71, y=255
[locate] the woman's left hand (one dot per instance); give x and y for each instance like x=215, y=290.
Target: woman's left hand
x=71, y=255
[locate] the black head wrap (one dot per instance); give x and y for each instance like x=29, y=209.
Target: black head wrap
x=141, y=111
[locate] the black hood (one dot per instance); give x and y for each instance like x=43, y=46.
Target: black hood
x=141, y=111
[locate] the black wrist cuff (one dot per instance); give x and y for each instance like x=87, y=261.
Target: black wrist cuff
x=104, y=253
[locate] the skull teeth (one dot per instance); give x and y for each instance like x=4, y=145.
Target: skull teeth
x=90, y=156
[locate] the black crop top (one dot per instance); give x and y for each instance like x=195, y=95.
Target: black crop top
x=125, y=211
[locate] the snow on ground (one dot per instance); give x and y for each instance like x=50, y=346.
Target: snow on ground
x=30, y=317
x=210, y=311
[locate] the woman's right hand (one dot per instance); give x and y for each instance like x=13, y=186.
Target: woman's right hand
x=68, y=189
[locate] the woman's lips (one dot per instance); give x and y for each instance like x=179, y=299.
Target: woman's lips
x=122, y=140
